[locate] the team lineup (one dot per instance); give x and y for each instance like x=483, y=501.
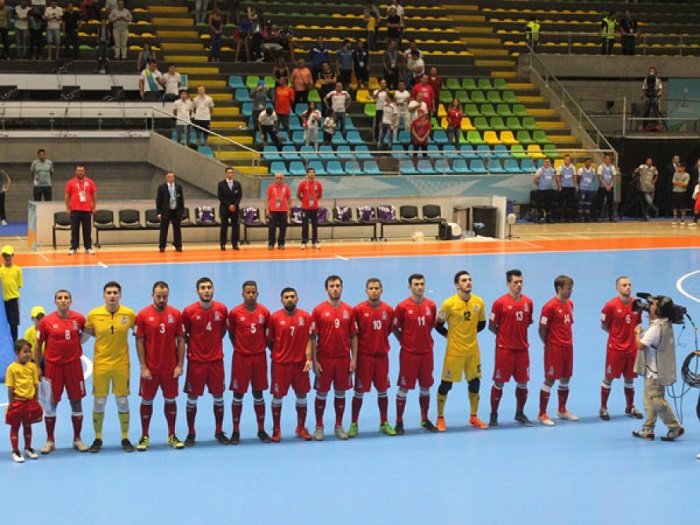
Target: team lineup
x=346, y=347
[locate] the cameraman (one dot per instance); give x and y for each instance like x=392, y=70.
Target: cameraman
x=656, y=361
x=651, y=92
x=648, y=175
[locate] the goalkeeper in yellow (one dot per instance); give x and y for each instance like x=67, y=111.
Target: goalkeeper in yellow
x=464, y=315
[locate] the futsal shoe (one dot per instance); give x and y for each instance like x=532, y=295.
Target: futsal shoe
x=175, y=443
x=221, y=438
x=318, y=434
x=673, y=434
x=566, y=415
x=493, y=420
x=476, y=422
x=302, y=433
x=428, y=425
x=190, y=440
x=235, y=438
x=31, y=453
x=340, y=433
x=352, y=431
x=262, y=436
x=142, y=445
x=276, y=436
x=80, y=446
x=645, y=433
x=521, y=418
x=96, y=446
x=605, y=415
x=386, y=429
x=440, y=424
x=545, y=420
x=398, y=428
x=634, y=413
x=127, y=446
x=17, y=457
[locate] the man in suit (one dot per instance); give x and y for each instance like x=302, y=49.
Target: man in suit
x=230, y=193
x=170, y=204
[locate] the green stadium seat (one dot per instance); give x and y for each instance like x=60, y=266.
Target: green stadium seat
x=463, y=97
x=314, y=96
x=468, y=84
x=504, y=110
x=478, y=97
x=484, y=84
x=513, y=123
x=446, y=97
x=488, y=110
x=509, y=97
x=481, y=123
x=524, y=137
x=520, y=111
x=500, y=84
x=471, y=110
x=517, y=151
x=371, y=110
x=530, y=123
x=494, y=97
x=251, y=81
x=540, y=137
x=497, y=124
x=474, y=138
x=453, y=84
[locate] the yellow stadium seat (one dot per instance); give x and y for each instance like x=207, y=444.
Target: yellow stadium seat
x=508, y=138
x=441, y=111
x=491, y=138
x=534, y=151
x=467, y=124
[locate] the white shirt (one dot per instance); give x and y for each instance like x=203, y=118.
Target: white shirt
x=183, y=110
x=202, y=107
x=414, y=106
x=389, y=113
x=400, y=99
x=380, y=97
x=338, y=100
x=313, y=119
x=22, y=16
x=329, y=125
x=156, y=76
x=53, y=16
x=172, y=82
x=651, y=339
x=267, y=120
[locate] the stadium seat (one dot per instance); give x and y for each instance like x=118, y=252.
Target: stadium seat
x=297, y=168
x=504, y=110
x=406, y=167
x=247, y=109
x=404, y=137
x=362, y=152
x=509, y=97
x=478, y=97
x=433, y=151
x=452, y=84
x=289, y=153
x=491, y=138
x=251, y=81
x=540, y=137
x=477, y=166
x=487, y=110
x=370, y=167
x=494, y=97
x=425, y=167
x=460, y=166
x=484, y=84
x=497, y=124
x=471, y=110
x=474, y=138
x=318, y=166
x=513, y=124
x=236, y=82
x=530, y=123
x=441, y=112
x=354, y=138
x=449, y=151
x=279, y=167
x=241, y=95
x=481, y=123
x=343, y=152
x=500, y=84
x=446, y=97
x=527, y=165
x=307, y=154
x=300, y=107
x=535, y=151
x=335, y=168
x=442, y=165
x=440, y=137
x=270, y=154
x=298, y=138
x=466, y=124
x=432, y=213
x=511, y=166
x=520, y=111
x=326, y=153
x=339, y=140
x=468, y=84
x=517, y=151
x=463, y=97
x=495, y=167
x=353, y=168
x=524, y=137
x=508, y=138
x=370, y=110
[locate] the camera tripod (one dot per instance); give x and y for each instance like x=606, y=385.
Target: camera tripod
x=652, y=113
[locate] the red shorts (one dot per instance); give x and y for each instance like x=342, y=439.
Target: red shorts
x=620, y=364
x=558, y=361
x=248, y=370
x=285, y=375
x=166, y=382
x=69, y=376
x=26, y=411
x=511, y=363
x=336, y=372
x=415, y=367
x=209, y=373
x=372, y=369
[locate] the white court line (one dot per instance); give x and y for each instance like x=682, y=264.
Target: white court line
x=341, y=258
x=103, y=265
x=679, y=285
x=529, y=244
x=42, y=256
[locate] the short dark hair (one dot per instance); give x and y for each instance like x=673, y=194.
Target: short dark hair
x=112, y=284
x=203, y=280
x=415, y=277
x=513, y=273
x=562, y=280
x=373, y=280
x=332, y=278
x=288, y=289
x=249, y=283
x=62, y=290
x=460, y=274
x=21, y=343
x=160, y=284
x=41, y=151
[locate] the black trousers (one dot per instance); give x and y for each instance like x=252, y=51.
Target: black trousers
x=12, y=314
x=40, y=191
x=174, y=219
x=229, y=219
x=306, y=216
x=567, y=204
x=3, y=215
x=606, y=198
x=80, y=219
x=278, y=219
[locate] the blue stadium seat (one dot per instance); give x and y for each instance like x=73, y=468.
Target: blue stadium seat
x=297, y=169
x=247, y=109
x=300, y=108
x=495, y=166
x=449, y=151
x=279, y=167
x=439, y=137
x=343, y=152
x=318, y=166
x=477, y=166
x=398, y=151
x=298, y=138
x=362, y=152
x=467, y=152
x=443, y=166
x=404, y=137
x=335, y=168
x=460, y=166
x=206, y=150
x=370, y=167
x=271, y=154
x=289, y=153
x=406, y=167
x=242, y=95
x=308, y=154
x=512, y=166
x=338, y=139
x=326, y=153
x=353, y=168
x=425, y=167
x=236, y=82
x=354, y=138
x=433, y=151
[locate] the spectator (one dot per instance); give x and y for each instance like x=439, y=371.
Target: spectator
x=267, y=122
x=339, y=102
x=146, y=55
x=182, y=109
x=361, y=59
x=120, y=19
x=401, y=98
x=328, y=128
x=233, y=11
x=532, y=34
x=38, y=7
x=104, y=33
x=255, y=17
x=435, y=82
x=281, y=72
x=454, y=122
x=310, y=192
x=201, y=8
x=36, y=35
x=607, y=32
x=5, y=182
x=680, y=186
x=428, y=94
x=151, y=83
x=311, y=119
x=286, y=39
x=284, y=99
x=318, y=54
x=172, y=81
x=202, y=107
x=260, y=97
x=545, y=193
x=22, y=13
x=420, y=132
x=53, y=16
x=71, y=24
x=5, y=18
x=379, y=97
x=606, y=189
x=328, y=80
x=662, y=195
x=401, y=12
x=302, y=82
x=216, y=28
x=371, y=25
x=389, y=121
x=415, y=105
x=270, y=46
x=392, y=65
x=42, y=171
x=344, y=64
x=241, y=37
x=415, y=68
x=393, y=26
x=629, y=29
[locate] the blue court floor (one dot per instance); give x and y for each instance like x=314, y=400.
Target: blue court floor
x=574, y=473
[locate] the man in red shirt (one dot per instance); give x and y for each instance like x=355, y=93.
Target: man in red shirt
x=435, y=81
x=205, y=323
x=309, y=192
x=160, y=345
x=375, y=320
x=420, y=131
x=278, y=206
x=555, y=332
x=334, y=351
x=414, y=320
x=247, y=324
x=81, y=201
x=428, y=93
x=620, y=322
x=511, y=315
x=288, y=338
x=284, y=99
x=59, y=337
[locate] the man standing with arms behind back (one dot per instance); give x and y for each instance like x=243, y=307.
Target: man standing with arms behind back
x=230, y=193
x=81, y=201
x=170, y=205
x=620, y=321
x=278, y=206
x=42, y=171
x=309, y=192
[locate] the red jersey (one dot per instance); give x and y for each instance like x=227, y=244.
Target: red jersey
x=558, y=318
x=159, y=331
x=416, y=322
x=420, y=127
x=81, y=193
x=512, y=318
x=334, y=326
x=248, y=329
x=436, y=84
x=278, y=197
x=454, y=118
x=428, y=94
x=61, y=337
x=289, y=334
x=205, y=329
x=309, y=193
x=620, y=321
x=374, y=327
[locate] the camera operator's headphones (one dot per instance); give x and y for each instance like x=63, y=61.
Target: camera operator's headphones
x=664, y=306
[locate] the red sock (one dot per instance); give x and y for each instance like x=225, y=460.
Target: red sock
x=339, y=403
x=219, y=418
x=77, y=425
x=170, y=410
x=236, y=409
x=356, y=406
x=496, y=394
x=424, y=402
x=563, y=394
x=14, y=438
x=544, y=399
x=259, y=407
x=604, y=395
x=520, y=399
x=146, y=412
x=191, y=415
x=301, y=415
x=320, y=408
x=276, y=417
x=629, y=397
x=27, y=435
x=383, y=402
x=400, y=407
x=50, y=422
